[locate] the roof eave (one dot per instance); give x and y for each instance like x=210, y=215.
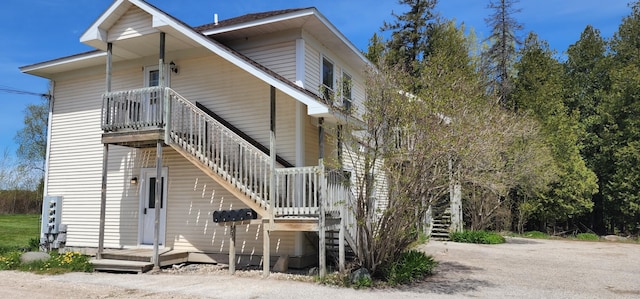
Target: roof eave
x=46, y=69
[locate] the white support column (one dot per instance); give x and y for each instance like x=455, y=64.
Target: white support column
x=301, y=113
x=103, y=199
x=158, y=206
x=266, y=249
x=321, y=217
x=266, y=260
x=158, y=199
x=232, y=250
x=105, y=160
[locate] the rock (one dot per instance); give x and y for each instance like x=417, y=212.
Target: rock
x=282, y=265
x=359, y=275
x=614, y=238
x=313, y=271
x=33, y=256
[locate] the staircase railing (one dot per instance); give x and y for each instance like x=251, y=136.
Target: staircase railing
x=299, y=190
x=342, y=199
x=230, y=156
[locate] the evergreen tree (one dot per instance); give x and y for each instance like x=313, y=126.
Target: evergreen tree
x=502, y=52
x=621, y=110
x=375, y=50
x=587, y=84
x=539, y=91
x=409, y=43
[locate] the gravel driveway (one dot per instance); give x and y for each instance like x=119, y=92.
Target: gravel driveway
x=522, y=268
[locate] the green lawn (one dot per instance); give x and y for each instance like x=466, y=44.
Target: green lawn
x=17, y=230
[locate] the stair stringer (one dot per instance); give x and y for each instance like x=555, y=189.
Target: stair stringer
x=260, y=209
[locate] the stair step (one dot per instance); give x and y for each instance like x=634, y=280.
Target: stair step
x=120, y=265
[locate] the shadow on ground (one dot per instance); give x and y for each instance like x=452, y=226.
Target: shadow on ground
x=450, y=278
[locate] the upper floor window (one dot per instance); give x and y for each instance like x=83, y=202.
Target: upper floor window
x=347, y=84
x=327, y=78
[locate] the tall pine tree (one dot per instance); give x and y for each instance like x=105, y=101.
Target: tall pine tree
x=622, y=190
x=587, y=85
x=409, y=43
x=501, y=53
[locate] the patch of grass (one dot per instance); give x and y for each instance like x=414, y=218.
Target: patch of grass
x=422, y=239
x=534, y=234
x=587, y=237
x=17, y=231
x=412, y=265
x=477, y=236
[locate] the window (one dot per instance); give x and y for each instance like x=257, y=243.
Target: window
x=327, y=78
x=154, y=78
x=347, y=83
x=152, y=193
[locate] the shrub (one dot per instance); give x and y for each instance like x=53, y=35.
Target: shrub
x=477, y=236
x=587, y=237
x=412, y=265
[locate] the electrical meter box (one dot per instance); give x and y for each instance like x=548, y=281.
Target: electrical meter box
x=51, y=215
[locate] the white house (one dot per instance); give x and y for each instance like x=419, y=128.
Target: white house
x=203, y=108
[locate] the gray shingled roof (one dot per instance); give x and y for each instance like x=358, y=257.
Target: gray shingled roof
x=247, y=18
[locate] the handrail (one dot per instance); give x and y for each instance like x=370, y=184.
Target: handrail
x=340, y=198
x=244, y=136
x=225, y=152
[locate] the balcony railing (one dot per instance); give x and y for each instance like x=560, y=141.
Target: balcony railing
x=133, y=109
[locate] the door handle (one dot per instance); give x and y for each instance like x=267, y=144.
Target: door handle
x=145, y=211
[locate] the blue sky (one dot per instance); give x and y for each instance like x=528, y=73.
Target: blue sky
x=38, y=30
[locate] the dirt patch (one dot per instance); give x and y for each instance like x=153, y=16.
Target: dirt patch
x=521, y=268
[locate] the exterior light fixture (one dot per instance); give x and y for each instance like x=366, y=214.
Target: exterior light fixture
x=173, y=67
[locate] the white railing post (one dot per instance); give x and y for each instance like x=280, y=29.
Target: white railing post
x=167, y=115
x=322, y=221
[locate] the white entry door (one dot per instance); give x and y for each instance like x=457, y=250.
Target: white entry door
x=148, y=206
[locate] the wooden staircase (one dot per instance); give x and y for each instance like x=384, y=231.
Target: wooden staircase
x=137, y=260
x=230, y=159
x=441, y=226
x=332, y=240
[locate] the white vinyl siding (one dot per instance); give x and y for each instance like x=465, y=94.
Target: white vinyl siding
x=239, y=98
x=312, y=68
x=134, y=23
x=76, y=158
x=192, y=199
x=280, y=58
x=75, y=168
